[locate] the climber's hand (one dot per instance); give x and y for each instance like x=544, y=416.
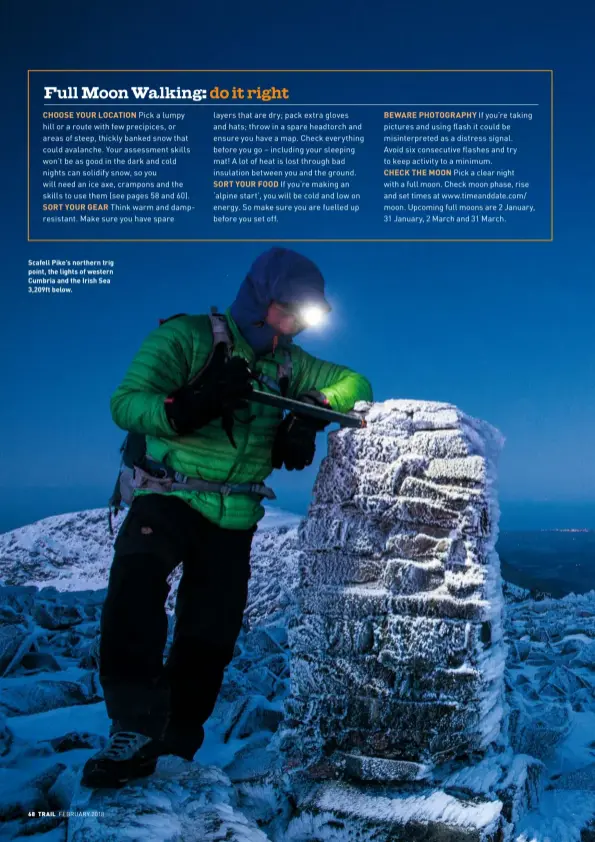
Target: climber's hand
x=221, y=390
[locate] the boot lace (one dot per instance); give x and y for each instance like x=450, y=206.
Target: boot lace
x=123, y=744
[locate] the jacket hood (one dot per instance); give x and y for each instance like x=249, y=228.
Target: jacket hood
x=279, y=275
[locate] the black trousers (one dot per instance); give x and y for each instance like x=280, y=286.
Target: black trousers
x=171, y=701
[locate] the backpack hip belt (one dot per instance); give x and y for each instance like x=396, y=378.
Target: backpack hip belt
x=165, y=482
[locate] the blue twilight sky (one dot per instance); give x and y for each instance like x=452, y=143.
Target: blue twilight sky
x=504, y=330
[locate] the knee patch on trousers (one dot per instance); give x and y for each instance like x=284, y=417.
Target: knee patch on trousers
x=136, y=594
x=140, y=571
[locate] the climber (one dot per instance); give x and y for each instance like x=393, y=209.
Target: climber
x=197, y=491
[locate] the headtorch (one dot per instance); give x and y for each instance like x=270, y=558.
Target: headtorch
x=312, y=315
x=307, y=314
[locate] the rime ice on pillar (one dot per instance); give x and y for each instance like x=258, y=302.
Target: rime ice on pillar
x=397, y=654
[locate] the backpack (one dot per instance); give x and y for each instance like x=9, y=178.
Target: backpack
x=134, y=447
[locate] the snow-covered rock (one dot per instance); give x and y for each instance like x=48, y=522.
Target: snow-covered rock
x=181, y=801
x=342, y=812
x=5, y=736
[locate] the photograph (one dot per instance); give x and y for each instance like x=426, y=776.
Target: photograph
x=297, y=520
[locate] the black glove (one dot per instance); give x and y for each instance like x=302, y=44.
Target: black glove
x=295, y=441
x=219, y=392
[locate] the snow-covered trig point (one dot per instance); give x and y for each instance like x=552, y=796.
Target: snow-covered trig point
x=397, y=653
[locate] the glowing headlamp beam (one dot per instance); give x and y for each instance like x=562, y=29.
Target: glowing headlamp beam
x=312, y=315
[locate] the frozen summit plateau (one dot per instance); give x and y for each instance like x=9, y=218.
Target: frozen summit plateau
x=386, y=685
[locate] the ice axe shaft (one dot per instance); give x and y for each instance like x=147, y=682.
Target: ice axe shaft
x=307, y=409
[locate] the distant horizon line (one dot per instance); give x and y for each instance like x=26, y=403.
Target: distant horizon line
x=509, y=501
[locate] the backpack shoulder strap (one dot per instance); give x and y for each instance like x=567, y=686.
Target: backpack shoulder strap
x=285, y=372
x=221, y=331
x=221, y=334
x=286, y=367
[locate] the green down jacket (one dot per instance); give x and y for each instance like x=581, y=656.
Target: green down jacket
x=168, y=358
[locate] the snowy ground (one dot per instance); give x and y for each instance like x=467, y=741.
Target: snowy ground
x=551, y=684
x=52, y=717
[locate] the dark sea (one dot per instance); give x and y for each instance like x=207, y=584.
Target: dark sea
x=556, y=562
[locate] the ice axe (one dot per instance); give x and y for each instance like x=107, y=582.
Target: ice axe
x=302, y=408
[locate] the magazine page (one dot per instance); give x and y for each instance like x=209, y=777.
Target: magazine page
x=297, y=531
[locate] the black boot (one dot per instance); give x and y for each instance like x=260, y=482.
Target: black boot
x=127, y=755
